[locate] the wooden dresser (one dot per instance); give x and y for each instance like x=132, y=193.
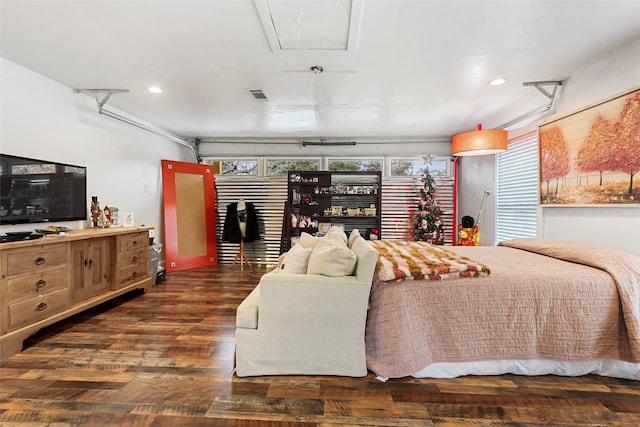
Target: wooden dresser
x=46, y=280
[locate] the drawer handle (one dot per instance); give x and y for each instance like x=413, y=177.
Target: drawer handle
x=40, y=260
x=41, y=283
x=134, y=274
x=135, y=243
x=41, y=307
x=134, y=259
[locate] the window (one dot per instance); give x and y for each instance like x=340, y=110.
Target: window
x=237, y=167
x=282, y=166
x=363, y=165
x=517, y=190
x=416, y=167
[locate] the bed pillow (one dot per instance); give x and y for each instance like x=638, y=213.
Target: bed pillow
x=296, y=260
x=333, y=261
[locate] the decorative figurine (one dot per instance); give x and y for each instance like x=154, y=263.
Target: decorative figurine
x=95, y=210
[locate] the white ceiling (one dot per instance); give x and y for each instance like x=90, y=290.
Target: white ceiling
x=405, y=69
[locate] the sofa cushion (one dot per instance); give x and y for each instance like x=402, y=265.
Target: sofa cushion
x=333, y=261
x=295, y=260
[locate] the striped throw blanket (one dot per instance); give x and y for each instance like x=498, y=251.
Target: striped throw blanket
x=422, y=261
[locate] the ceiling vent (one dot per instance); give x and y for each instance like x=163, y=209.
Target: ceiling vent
x=258, y=94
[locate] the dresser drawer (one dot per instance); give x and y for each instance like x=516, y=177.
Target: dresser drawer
x=38, y=308
x=134, y=241
x=131, y=258
x=132, y=274
x=37, y=259
x=26, y=287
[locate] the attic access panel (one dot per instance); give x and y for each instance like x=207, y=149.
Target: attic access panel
x=310, y=25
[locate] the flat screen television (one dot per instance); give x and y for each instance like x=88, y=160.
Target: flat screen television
x=34, y=191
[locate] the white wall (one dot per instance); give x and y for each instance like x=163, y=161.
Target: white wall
x=477, y=174
x=43, y=119
x=615, y=227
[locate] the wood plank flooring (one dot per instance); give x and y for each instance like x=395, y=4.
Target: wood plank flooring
x=165, y=358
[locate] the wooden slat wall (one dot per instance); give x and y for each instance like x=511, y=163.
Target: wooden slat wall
x=399, y=198
x=268, y=196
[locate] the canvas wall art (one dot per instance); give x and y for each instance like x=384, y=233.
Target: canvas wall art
x=592, y=157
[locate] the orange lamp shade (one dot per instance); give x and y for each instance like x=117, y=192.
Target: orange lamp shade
x=479, y=142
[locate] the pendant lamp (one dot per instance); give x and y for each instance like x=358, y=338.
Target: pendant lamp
x=479, y=142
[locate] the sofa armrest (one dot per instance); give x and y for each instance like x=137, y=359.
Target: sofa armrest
x=247, y=311
x=367, y=259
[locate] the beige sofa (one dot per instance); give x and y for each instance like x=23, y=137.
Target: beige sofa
x=308, y=324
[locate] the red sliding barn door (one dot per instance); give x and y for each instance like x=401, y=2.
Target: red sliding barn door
x=189, y=215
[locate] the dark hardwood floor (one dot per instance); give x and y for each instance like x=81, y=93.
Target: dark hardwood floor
x=165, y=358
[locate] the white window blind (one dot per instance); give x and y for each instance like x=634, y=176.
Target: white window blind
x=517, y=192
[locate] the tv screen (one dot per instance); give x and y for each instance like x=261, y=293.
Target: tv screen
x=33, y=191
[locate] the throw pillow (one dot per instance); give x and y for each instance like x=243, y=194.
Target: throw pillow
x=337, y=234
x=333, y=261
x=307, y=240
x=355, y=233
x=296, y=260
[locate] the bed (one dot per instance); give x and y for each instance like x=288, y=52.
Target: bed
x=527, y=306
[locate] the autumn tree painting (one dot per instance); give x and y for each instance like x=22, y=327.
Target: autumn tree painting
x=592, y=157
x=554, y=156
x=626, y=152
x=596, y=153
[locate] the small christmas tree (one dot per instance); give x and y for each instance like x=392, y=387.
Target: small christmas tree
x=428, y=226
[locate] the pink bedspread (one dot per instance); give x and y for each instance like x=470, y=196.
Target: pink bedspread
x=543, y=300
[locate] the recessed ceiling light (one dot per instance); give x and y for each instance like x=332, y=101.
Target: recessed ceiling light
x=155, y=89
x=497, y=82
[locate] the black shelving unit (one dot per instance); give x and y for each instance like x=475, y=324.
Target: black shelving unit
x=317, y=200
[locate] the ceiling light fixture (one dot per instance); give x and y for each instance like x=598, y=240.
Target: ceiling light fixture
x=498, y=82
x=479, y=142
x=155, y=89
